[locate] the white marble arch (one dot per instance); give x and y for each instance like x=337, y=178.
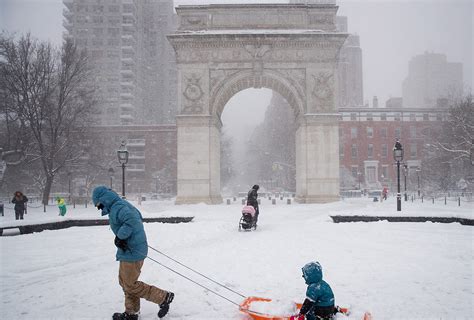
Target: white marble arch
x=224, y=49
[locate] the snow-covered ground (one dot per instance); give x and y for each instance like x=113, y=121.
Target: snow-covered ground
x=393, y=270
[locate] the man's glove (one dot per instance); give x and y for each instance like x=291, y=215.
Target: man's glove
x=297, y=317
x=121, y=243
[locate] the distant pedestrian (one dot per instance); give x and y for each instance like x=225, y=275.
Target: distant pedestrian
x=132, y=248
x=252, y=196
x=19, y=199
x=61, y=205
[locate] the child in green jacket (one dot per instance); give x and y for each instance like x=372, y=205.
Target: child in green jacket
x=61, y=205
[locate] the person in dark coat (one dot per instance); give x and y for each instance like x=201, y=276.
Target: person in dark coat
x=132, y=248
x=19, y=199
x=252, y=196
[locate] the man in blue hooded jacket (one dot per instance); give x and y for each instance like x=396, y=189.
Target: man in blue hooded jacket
x=132, y=248
x=319, y=302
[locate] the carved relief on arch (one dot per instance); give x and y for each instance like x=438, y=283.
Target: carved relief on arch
x=193, y=93
x=322, y=91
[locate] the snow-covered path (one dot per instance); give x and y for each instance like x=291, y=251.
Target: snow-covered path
x=395, y=270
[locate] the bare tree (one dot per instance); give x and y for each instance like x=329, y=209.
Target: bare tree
x=447, y=156
x=49, y=101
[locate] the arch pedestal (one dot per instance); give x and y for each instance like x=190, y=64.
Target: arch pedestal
x=198, y=159
x=317, y=159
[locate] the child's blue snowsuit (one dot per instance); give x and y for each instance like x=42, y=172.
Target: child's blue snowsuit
x=319, y=300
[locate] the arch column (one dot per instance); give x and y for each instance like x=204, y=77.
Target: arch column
x=317, y=158
x=198, y=158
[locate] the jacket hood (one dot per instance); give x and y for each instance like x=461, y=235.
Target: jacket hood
x=312, y=272
x=106, y=196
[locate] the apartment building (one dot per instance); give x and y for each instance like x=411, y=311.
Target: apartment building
x=350, y=82
x=134, y=65
x=134, y=71
x=431, y=78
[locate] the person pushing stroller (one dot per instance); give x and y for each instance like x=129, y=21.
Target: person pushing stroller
x=252, y=196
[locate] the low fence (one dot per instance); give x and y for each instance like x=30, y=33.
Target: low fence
x=31, y=228
x=463, y=221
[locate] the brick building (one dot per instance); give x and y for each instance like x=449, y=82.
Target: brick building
x=151, y=167
x=367, y=137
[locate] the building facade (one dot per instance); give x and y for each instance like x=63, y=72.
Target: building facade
x=368, y=135
x=151, y=166
x=135, y=71
x=431, y=78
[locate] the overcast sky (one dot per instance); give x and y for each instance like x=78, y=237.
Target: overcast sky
x=391, y=33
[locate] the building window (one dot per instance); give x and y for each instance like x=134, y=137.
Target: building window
x=114, y=8
x=369, y=116
x=397, y=116
x=353, y=133
x=384, y=172
x=383, y=132
x=398, y=133
x=413, y=151
x=439, y=117
x=412, y=132
x=97, y=19
x=97, y=8
x=113, y=32
x=383, y=116
x=412, y=117
x=370, y=151
x=384, y=151
x=341, y=150
x=354, y=171
x=426, y=117
x=371, y=176
x=354, y=151
x=370, y=132
x=353, y=116
x=426, y=132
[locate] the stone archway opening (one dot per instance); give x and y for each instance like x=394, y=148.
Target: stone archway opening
x=221, y=50
x=257, y=143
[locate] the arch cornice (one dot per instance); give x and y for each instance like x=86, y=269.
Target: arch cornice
x=289, y=83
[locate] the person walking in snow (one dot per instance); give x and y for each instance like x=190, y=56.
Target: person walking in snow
x=61, y=205
x=319, y=302
x=252, y=196
x=19, y=199
x=132, y=248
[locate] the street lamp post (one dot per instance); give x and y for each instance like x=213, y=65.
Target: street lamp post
x=358, y=177
x=69, y=187
x=398, y=157
x=122, y=155
x=111, y=174
x=418, y=177
x=405, y=173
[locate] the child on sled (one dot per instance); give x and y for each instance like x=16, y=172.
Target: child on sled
x=319, y=302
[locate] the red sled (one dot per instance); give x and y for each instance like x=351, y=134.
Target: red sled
x=245, y=308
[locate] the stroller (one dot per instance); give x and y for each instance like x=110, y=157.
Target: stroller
x=247, y=221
